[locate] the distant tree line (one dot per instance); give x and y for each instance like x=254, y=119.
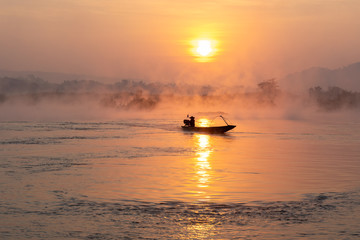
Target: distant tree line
x=334, y=98
x=131, y=94
x=126, y=94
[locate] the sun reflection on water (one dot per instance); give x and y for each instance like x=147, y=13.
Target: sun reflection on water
x=203, y=166
x=201, y=225
x=203, y=122
x=199, y=231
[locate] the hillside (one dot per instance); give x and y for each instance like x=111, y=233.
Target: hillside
x=347, y=77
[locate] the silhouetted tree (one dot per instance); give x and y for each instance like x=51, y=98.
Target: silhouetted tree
x=334, y=98
x=268, y=91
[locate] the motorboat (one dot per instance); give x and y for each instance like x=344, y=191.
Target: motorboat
x=189, y=125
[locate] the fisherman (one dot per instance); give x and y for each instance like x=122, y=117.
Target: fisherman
x=192, y=121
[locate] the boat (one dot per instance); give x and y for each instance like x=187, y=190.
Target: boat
x=220, y=129
x=189, y=125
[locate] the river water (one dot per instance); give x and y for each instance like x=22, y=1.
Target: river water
x=147, y=179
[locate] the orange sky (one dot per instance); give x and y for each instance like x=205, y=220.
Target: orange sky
x=150, y=40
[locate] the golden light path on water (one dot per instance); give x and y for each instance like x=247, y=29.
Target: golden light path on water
x=202, y=228
x=203, y=122
x=202, y=163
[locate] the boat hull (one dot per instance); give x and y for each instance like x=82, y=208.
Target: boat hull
x=220, y=129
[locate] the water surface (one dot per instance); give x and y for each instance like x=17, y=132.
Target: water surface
x=148, y=179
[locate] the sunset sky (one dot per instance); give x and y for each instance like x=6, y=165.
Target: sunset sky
x=155, y=40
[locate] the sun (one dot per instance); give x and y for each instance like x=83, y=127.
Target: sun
x=204, y=48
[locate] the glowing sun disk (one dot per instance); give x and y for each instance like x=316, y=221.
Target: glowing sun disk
x=204, y=47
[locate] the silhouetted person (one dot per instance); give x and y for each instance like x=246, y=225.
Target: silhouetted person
x=192, y=121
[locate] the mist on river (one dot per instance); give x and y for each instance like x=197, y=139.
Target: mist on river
x=32, y=98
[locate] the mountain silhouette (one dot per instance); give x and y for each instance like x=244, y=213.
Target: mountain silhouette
x=347, y=77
